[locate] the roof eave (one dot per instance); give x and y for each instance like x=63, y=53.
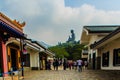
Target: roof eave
x=92, y=46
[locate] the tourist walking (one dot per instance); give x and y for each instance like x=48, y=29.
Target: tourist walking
x=48, y=65
x=56, y=64
x=75, y=65
x=85, y=64
x=79, y=64
x=70, y=64
x=64, y=64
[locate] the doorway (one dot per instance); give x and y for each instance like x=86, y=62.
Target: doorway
x=13, y=59
x=94, y=59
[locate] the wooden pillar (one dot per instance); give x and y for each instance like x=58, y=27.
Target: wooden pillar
x=4, y=58
x=1, y=62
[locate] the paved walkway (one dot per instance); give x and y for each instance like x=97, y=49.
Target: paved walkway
x=71, y=75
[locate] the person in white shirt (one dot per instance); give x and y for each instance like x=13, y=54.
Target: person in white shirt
x=75, y=65
x=79, y=64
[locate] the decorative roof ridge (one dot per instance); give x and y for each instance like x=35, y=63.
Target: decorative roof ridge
x=14, y=22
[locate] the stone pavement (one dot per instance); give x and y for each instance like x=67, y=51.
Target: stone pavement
x=71, y=75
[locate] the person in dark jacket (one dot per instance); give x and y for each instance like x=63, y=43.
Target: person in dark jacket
x=64, y=64
x=56, y=64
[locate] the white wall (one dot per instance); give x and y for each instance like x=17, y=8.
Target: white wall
x=110, y=47
x=34, y=59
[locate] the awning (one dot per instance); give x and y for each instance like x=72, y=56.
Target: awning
x=11, y=31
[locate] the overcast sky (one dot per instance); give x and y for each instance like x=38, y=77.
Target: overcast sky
x=50, y=21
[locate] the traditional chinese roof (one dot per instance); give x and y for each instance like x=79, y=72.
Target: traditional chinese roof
x=101, y=28
x=98, y=30
x=112, y=34
x=46, y=50
x=10, y=31
x=11, y=27
x=14, y=22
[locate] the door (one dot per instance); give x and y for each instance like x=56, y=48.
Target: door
x=13, y=59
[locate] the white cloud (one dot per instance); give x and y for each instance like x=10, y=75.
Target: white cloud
x=51, y=21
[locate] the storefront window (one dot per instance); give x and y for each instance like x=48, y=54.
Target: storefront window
x=116, y=57
x=105, y=59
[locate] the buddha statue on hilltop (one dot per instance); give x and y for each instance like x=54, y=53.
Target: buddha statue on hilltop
x=72, y=37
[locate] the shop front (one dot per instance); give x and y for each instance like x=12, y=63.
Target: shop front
x=10, y=53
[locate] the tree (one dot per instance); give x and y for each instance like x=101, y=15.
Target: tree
x=77, y=50
x=59, y=51
x=72, y=51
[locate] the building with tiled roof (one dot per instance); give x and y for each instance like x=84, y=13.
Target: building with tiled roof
x=92, y=34
x=11, y=38
x=108, y=49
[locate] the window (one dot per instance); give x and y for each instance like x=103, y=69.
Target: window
x=105, y=59
x=116, y=57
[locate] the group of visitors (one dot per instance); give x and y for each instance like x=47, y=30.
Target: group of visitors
x=80, y=65
x=70, y=64
x=55, y=64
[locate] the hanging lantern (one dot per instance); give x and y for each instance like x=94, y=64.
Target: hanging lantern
x=24, y=49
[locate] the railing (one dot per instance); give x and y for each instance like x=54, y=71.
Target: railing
x=13, y=75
